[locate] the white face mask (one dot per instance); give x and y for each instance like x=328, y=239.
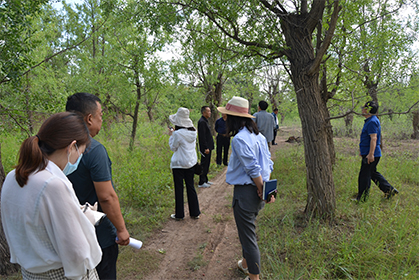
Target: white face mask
x=71, y=167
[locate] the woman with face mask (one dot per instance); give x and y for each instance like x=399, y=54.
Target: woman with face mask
x=48, y=234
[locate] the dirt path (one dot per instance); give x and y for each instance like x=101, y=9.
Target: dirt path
x=207, y=248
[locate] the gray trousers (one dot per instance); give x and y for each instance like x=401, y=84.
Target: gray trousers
x=246, y=206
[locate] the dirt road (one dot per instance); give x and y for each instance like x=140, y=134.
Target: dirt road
x=207, y=248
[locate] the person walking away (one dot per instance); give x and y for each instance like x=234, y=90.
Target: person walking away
x=92, y=182
x=223, y=141
x=265, y=122
x=47, y=232
x=276, y=127
x=370, y=151
x=250, y=165
x=206, y=145
x=182, y=142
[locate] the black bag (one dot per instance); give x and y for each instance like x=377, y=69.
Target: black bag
x=198, y=169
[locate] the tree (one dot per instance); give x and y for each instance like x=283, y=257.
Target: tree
x=273, y=30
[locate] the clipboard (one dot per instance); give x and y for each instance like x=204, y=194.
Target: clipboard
x=269, y=189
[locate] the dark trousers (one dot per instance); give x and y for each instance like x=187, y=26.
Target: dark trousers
x=367, y=173
x=205, y=163
x=106, y=269
x=275, y=132
x=187, y=175
x=223, y=143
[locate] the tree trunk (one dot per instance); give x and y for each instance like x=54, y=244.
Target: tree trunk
x=313, y=114
x=6, y=268
x=135, y=117
x=415, y=123
x=214, y=94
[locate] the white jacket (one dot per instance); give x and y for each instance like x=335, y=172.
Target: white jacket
x=183, y=142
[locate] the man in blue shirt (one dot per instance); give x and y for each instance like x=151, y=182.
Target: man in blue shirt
x=370, y=151
x=223, y=141
x=92, y=182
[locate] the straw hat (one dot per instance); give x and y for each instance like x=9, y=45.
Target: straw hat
x=181, y=118
x=237, y=106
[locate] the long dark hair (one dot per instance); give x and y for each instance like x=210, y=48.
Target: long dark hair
x=235, y=123
x=188, y=128
x=56, y=133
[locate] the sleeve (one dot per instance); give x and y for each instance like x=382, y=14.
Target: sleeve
x=247, y=158
x=174, y=142
x=217, y=123
x=372, y=128
x=100, y=165
x=72, y=235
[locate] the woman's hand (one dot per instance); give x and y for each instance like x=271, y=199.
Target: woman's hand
x=170, y=131
x=272, y=200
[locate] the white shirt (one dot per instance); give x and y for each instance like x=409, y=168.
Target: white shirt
x=182, y=143
x=44, y=226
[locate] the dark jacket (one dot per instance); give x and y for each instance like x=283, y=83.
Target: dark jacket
x=204, y=135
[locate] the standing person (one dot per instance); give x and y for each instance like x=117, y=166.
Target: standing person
x=276, y=127
x=265, y=122
x=370, y=151
x=48, y=234
x=250, y=165
x=182, y=142
x=223, y=141
x=92, y=182
x=206, y=145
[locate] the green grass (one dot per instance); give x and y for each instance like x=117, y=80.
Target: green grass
x=378, y=239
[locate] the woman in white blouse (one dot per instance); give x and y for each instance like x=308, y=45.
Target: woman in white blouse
x=48, y=234
x=182, y=142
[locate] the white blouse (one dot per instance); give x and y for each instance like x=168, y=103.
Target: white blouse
x=44, y=226
x=183, y=143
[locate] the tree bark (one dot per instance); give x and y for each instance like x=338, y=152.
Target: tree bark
x=415, y=123
x=213, y=98
x=136, y=110
x=313, y=114
x=6, y=268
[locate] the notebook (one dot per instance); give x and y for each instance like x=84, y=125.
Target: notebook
x=269, y=189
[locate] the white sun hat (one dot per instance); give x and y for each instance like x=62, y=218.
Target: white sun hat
x=181, y=118
x=237, y=106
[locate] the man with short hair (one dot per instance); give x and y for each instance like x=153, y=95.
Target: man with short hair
x=206, y=145
x=92, y=182
x=223, y=141
x=275, y=115
x=265, y=122
x=370, y=152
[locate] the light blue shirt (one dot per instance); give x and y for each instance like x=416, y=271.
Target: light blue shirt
x=250, y=158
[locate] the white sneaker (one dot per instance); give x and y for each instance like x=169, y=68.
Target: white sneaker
x=204, y=185
x=209, y=183
x=241, y=268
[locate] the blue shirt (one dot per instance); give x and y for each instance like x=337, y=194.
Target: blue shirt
x=95, y=166
x=220, y=126
x=250, y=158
x=371, y=126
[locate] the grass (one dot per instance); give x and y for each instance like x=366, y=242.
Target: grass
x=378, y=239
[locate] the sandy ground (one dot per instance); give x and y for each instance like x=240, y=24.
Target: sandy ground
x=207, y=248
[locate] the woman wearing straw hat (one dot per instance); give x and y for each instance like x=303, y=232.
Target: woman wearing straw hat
x=182, y=142
x=250, y=165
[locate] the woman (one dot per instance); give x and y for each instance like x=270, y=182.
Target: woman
x=250, y=165
x=48, y=234
x=182, y=142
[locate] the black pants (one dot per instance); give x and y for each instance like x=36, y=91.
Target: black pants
x=106, y=269
x=205, y=162
x=187, y=175
x=223, y=143
x=367, y=173
x=275, y=132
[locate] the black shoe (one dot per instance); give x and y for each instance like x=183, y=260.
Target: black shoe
x=392, y=193
x=274, y=143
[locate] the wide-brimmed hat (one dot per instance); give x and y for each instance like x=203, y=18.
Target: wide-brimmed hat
x=237, y=106
x=181, y=118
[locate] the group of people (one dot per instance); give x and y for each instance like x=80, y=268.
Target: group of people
x=62, y=169
x=43, y=200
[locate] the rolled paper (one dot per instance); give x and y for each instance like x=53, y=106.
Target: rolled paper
x=134, y=243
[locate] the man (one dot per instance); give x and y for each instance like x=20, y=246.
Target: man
x=275, y=115
x=206, y=145
x=223, y=141
x=370, y=152
x=92, y=182
x=265, y=122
